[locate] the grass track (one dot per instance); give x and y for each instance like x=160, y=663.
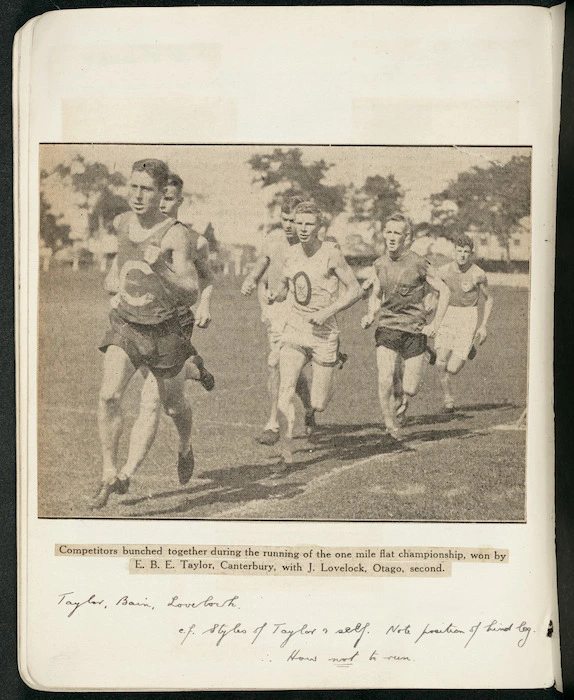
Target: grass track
x=455, y=467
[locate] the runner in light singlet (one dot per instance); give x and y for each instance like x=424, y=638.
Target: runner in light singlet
x=312, y=273
x=459, y=332
x=152, y=275
x=397, y=295
x=267, y=272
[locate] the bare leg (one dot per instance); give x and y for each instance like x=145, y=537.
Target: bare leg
x=386, y=364
x=192, y=371
x=177, y=407
x=443, y=356
x=412, y=374
x=145, y=427
x=291, y=363
x=273, y=384
x=453, y=366
x=273, y=389
x=302, y=390
x=322, y=387
x=118, y=370
x=398, y=392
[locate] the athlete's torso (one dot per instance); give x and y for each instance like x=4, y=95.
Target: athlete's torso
x=403, y=291
x=312, y=281
x=464, y=286
x=143, y=297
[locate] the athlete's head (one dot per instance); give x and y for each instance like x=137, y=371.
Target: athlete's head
x=308, y=220
x=396, y=232
x=288, y=215
x=172, y=196
x=463, y=247
x=146, y=185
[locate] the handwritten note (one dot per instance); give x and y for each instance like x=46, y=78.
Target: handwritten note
x=226, y=622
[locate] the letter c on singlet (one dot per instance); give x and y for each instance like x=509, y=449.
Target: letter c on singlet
x=302, y=288
x=127, y=267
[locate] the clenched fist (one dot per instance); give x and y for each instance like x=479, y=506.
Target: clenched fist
x=151, y=254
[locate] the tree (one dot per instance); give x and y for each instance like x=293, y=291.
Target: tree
x=100, y=188
x=287, y=169
x=491, y=199
x=87, y=196
x=52, y=233
x=376, y=200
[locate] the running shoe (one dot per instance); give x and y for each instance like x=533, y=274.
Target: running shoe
x=449, y=405
x=310, y=423
x=185, y=466
x=268, y=437
x=206, y=379
x=119, y=486
x=402, y=407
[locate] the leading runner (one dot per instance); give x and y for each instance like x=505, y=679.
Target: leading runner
x=153, y=275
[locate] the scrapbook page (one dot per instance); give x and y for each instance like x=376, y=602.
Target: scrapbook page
x=285, y=347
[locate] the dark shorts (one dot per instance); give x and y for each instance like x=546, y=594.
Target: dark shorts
x=406, y=344
x=162, y=347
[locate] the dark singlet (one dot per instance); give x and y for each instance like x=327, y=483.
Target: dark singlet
x=403, y=287
x=143, y=297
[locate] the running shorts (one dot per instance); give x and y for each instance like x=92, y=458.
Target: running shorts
x=456, y=332
x=404, y=343
x=321, y=348
x=163, y=347
x=275, y=321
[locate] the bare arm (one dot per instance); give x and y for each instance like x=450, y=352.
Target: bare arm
x=262, y=298
x=205, y=277
x=373, y=303
x=252, y=279
x=279, y=293
x=353, y=292
x=443, y=298
x=112, y=281
x=488, y=304
x=202, y=264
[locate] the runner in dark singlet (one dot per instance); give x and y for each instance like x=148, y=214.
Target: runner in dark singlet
x=152, y=275
x=397, y=294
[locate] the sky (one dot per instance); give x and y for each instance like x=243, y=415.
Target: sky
x=237, y=207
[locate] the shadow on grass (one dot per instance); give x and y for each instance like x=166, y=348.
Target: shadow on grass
x=459, y=414
x=332, y=445
x=487, y=406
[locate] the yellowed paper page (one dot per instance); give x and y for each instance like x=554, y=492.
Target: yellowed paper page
x=402, y=537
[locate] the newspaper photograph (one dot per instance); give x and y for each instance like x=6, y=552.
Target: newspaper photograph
x=284, y=348
x=252, y=331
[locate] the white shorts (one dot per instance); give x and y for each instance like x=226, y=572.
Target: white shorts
x=319, y=344
x=456, y=332
x=275, y=320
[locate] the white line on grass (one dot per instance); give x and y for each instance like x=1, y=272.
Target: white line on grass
x=321, y=479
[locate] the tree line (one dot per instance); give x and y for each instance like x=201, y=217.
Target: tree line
x=489, y=199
